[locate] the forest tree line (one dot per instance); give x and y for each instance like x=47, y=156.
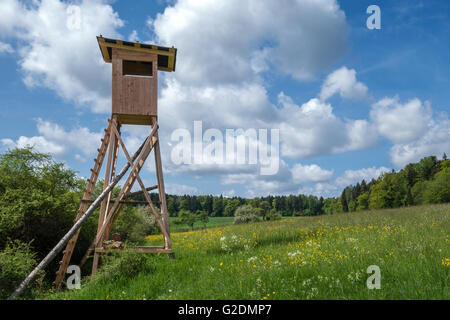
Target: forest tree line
x=427, y=181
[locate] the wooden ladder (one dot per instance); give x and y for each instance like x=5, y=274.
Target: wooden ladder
x=89, y=189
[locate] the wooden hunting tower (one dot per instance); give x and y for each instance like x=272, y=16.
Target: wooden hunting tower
x=134, y=102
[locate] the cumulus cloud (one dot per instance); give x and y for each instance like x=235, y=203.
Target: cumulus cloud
x=361, y=135
x=350, y=177
x=258, y=185
x=53, y=139
x=241, y=38
x=228, y=106
x=310, y=173
x=343, y=82
x=39, y=143
x=58, y=47
x=314, y=129
x=412, y=128
x=302, y=179
x=401, y=123
x=5, y=48
x=181, y=189
x=435, y=141
x=287, y=181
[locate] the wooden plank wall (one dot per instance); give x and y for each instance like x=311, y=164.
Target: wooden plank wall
x=134, y=99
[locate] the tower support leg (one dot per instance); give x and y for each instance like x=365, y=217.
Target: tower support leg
x=161, y=190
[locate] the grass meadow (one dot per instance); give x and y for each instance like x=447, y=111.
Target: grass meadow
x=323, y=257
x=212, y=222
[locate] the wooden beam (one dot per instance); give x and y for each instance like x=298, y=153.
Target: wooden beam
x=149, y=249
x=142, y=249
x=147, y=197
x=131, y=194
x=161, y=190
x=134, y=202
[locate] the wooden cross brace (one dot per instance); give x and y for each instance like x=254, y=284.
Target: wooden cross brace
x=106, y=222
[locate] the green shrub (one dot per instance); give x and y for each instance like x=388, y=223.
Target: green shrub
x=246, y=214
x=39, y=199
x=125, y=263
x=133, y=224
x=16, y=262
x=273, y=215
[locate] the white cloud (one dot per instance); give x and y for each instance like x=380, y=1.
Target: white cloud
x=411, y=128
x=310, y=173
x=180, y=189
x=314, y=129
x=287, y=181
x=401, y=123
x=302, y=179
x=55, y=140
x=5, y=48
x=228, y=106
x=343, y=81
x=133, y=36
x=12, y=13
x=218, y=40
x=361, y=135
x=39, y=143
x=349, y=177
x=353, y=176
x=435, y=141
x=61, y=55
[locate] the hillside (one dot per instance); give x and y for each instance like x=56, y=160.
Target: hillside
x=324, y=257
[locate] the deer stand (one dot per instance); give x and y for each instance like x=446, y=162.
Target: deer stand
x=135, y=102
x=110, y=208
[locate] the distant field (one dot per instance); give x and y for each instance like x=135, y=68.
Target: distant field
x=323, y=257
x=213, y=222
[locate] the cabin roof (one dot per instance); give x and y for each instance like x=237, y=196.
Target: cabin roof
x=167, y=57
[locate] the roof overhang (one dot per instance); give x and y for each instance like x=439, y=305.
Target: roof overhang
x=167, y=57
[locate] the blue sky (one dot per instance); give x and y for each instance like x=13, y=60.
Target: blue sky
x=349, y=102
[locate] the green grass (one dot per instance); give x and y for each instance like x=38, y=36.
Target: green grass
x=323, y=257
x=212, y=223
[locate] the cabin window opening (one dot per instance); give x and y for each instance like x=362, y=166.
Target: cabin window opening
x=137, y=69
